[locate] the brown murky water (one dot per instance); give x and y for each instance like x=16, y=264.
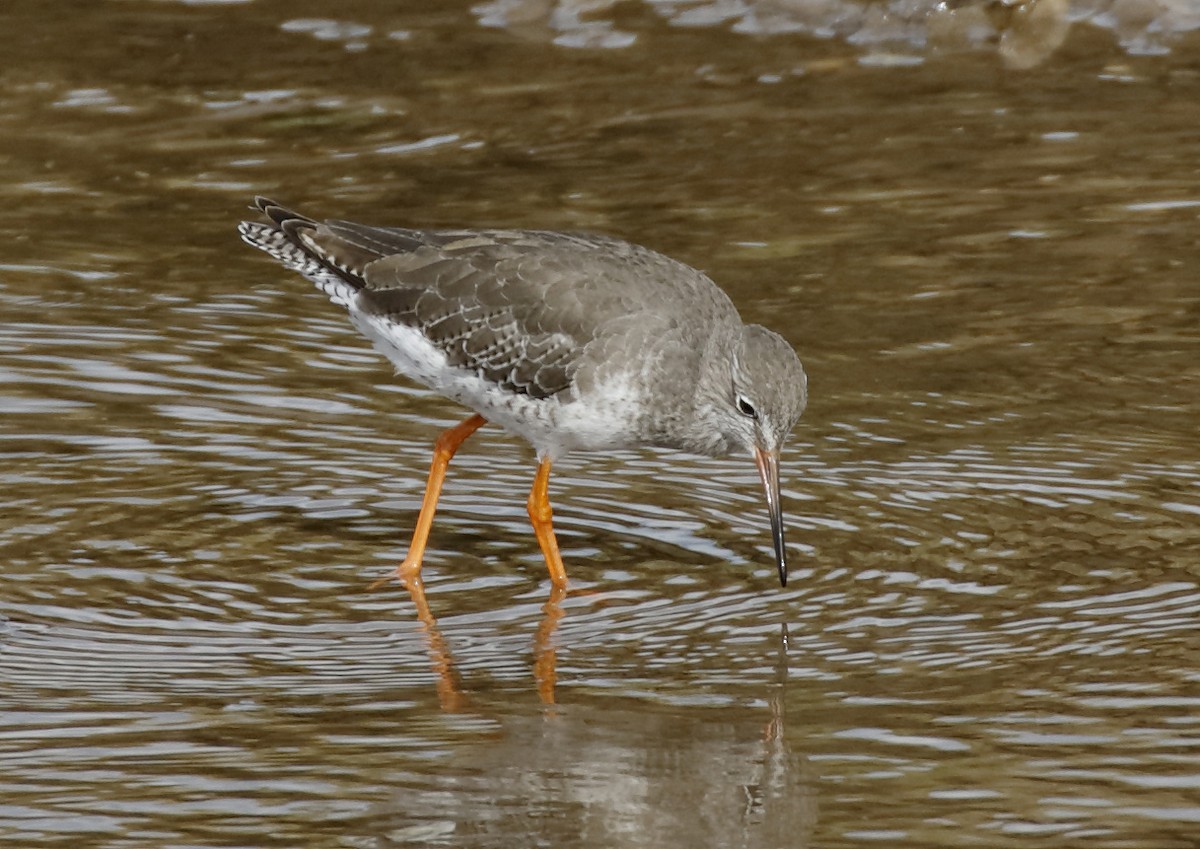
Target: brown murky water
x=984, y=246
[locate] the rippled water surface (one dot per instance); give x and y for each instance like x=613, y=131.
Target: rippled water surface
x=983, y=246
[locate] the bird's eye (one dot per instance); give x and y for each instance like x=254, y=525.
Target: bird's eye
x=746, y=408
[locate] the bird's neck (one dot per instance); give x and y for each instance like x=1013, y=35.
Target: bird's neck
x=698, y=426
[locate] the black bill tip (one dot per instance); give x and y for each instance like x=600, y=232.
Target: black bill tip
x=768, y=471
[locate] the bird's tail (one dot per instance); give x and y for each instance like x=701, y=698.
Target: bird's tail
x=283, y=239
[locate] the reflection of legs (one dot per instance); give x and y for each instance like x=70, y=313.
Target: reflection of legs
x=539, y=516
x=449, y=695
x=410, y=570
x=545, y=656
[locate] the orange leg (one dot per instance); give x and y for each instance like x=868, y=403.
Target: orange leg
x=539, y=516
x=409, y=571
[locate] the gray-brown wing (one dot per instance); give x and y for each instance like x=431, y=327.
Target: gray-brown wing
x=507, y=306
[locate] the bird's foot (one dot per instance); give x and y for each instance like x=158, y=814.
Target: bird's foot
x=407, y=573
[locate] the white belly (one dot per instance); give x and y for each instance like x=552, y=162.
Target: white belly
x=553, y=427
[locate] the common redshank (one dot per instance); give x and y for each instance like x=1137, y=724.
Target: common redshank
x=570, y=341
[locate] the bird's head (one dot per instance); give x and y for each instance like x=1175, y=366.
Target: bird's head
x=768, y=392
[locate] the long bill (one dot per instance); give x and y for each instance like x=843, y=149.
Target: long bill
x=768, y=471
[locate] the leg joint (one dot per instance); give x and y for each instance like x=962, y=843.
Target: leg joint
x=539, y=508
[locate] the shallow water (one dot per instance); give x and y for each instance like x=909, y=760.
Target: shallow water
x=993, y=501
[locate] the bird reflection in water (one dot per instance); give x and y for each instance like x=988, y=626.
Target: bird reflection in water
x=607, y=772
